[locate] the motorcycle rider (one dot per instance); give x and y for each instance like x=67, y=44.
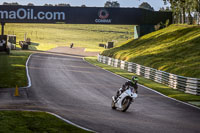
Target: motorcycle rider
x=131, y=83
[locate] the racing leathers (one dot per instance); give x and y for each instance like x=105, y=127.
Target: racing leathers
x=128, y=84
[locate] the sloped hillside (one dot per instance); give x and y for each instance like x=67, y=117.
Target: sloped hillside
x=175, y=49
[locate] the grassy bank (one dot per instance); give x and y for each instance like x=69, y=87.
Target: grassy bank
x=174, y=49
x=195, y=100
x=46, y=36
x=13, y=69
x=33, y=122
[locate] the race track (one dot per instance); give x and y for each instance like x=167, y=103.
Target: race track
x=74, y=89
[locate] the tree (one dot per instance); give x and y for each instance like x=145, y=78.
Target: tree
x=68, y=5
x=112, y=4
x=108, y=4
x=83, y=5
x=167, y=9
x=30, y=4
x=63, y=4
x=178, y=9
x=182, y=7
x=5, y=3
x=12, y=4
x=146, y=5
x=115, y=4
x=193, y=7
x=48, y=5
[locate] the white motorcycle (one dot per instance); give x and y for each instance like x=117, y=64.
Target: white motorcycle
x=124, y=100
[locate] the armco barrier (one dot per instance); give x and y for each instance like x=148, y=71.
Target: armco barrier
x=186, y=84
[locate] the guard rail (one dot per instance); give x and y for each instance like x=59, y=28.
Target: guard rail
x=186, y=84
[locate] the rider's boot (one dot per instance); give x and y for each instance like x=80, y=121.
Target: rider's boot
x=114, y=99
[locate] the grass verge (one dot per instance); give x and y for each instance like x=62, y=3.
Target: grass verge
x=192, y=99
x=13, y=68
x=34, y=122
x=94, y=50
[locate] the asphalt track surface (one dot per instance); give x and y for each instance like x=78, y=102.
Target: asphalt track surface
x=67, y=85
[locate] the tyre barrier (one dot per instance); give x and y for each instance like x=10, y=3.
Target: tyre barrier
x=186, y=84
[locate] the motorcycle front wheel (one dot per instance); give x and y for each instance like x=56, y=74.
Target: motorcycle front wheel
x=125, y=104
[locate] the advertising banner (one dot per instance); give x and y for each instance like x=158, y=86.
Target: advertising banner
x=81, y=15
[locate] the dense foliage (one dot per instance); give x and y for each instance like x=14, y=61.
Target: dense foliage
x=146, y=5
x=110, y=3
x=183, y=8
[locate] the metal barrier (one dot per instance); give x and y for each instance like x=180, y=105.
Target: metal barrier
x=186, y=84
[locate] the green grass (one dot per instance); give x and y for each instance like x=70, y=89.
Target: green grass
x=47, y=36
x=13, y=69
x=94, y=49
x=174, y=49
x=149, y=83
x=33, y=122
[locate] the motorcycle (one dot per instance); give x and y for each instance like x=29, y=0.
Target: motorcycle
x=123, y=101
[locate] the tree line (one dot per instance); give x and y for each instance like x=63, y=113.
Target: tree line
x=185, y=11
x=31, y=4
x=109, y=3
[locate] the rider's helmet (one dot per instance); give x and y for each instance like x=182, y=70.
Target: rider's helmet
x=134, y=79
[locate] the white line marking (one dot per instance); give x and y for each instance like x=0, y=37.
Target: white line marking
x=148, y=88
x=27, y=72
x=69, y=122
